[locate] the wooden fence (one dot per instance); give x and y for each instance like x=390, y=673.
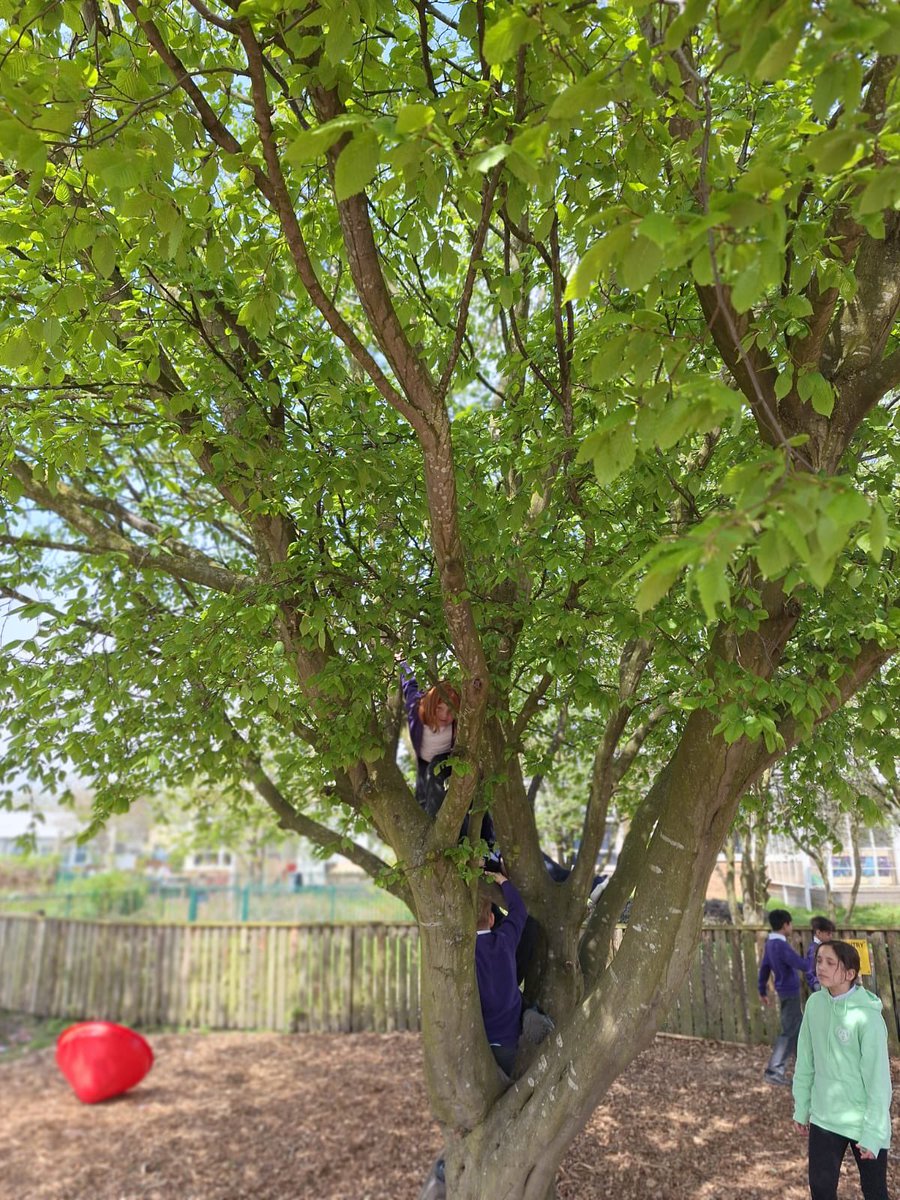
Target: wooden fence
x=323, y=978
x=720, y=998
x=333, y=978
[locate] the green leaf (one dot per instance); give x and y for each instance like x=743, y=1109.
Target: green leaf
x=504, y=38
x=655, y=584
x=776, y=60
x=413, y=117
x=882, y=192
x=878, y=532
x=812, y=386
x=711, y=582
x=831, y=151
x=783, y=383
x=659, y=228
x=489, y=158
x=613, y=451
x=608, y=362
x=597, y=258
x=773, y=554
x=339, y=39
x=103, y=255
x=585, y=96
x=311, y=144
x=356, y=165
x=748, y=287
x=17, y=350
x=640, y=263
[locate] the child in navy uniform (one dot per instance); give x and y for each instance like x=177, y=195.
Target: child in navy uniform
x=782, y=962
x=823, y=930
x=495, y=968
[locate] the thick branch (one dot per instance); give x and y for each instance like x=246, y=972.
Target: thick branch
x=632, y=664
x=320, y=835
x=175, y=559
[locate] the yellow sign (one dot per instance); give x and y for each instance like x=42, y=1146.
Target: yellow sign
x=862, y=947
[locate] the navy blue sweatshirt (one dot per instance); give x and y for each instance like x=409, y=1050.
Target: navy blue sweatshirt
x=781, y=960
x=495, y=969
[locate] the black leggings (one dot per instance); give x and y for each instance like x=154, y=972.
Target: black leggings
x=826, y=1153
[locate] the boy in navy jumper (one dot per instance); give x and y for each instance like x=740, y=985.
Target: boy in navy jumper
x=823, y=930
x=495, y=969
x=782, y=962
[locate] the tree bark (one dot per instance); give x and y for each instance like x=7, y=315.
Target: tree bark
x=730, y=884
x=857, y=867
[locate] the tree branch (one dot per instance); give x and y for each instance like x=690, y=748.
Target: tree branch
x=488, y=191
x=177, y=559
x=320, y=835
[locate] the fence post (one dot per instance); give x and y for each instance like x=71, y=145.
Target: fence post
x=245, y=902
x=192, y=903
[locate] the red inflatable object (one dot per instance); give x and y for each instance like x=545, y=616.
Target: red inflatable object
x=101, y=1060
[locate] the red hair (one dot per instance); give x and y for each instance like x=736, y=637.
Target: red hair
x=443, y=692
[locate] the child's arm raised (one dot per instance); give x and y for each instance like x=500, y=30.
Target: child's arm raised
x=516, y=912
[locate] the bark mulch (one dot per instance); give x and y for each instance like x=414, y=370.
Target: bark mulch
x=332, y=1117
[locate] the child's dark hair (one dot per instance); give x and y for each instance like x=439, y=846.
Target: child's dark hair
x=847, y=956
x=778, y=918
x=822, y=925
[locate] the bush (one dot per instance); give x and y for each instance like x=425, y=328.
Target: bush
x=108, y=894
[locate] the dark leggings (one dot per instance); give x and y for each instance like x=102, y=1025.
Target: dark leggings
x=826, y=1153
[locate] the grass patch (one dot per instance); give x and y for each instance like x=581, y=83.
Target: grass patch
x=877, y=916
x=20, y=1033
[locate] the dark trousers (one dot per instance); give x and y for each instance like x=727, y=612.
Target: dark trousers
x=826, y=1153
x=505, y=1057
x=432, y=779
x=785, y=1047
x=431, y=782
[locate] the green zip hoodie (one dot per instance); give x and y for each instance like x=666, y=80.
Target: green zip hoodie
x=842, y=1082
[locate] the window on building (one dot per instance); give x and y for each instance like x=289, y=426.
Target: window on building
x=841, y=866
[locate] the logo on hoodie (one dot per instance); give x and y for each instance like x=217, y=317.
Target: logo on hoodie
x=842, y=1034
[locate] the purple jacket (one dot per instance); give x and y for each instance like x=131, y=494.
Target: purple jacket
x=495, y=969
x=781, y=960
x=811, y=979
x=411, y=697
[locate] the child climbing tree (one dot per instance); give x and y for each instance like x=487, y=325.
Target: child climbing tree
x=562, y=334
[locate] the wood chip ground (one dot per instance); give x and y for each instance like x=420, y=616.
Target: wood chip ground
x=330, y=1117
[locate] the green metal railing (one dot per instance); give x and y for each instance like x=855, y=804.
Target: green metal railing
x=329, y=903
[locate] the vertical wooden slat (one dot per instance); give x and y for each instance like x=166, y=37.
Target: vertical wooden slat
x=740, y=998
x=380, y=979
x=878, y=942
x=186, y=1015
x=415, y=978
x=270, y=967
x=726, y=998
x=216, y=963
x=402, y=979
x=82, y=972
x=698, y=1003
x=286, y=996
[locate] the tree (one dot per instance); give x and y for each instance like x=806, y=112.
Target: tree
x=338, y=331
x=822, y=817
x=200, y=820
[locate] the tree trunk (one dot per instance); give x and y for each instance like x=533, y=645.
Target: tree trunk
x=857, y=868
x=730, y=884
x=821, y=861
x=754, y=881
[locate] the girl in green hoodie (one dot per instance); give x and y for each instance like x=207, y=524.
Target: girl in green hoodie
x=842, y=1083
